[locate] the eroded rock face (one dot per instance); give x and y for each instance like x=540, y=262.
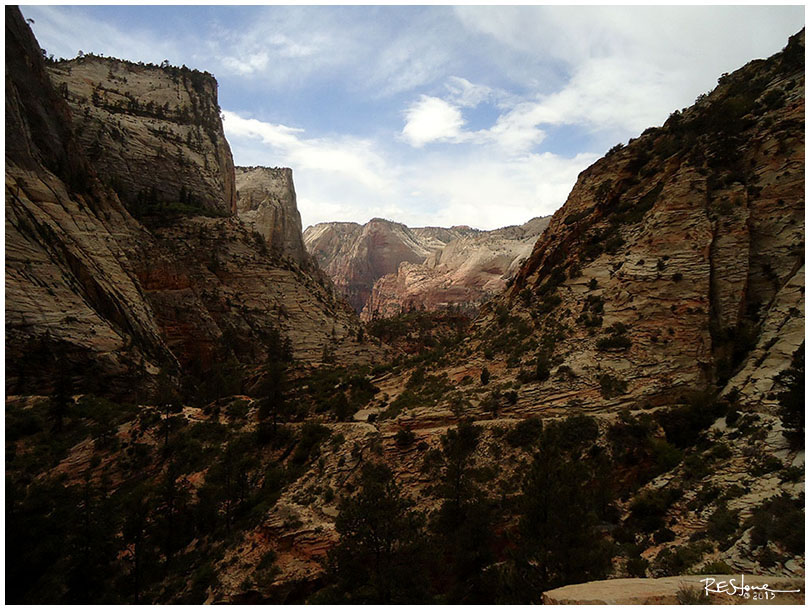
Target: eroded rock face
x=265, y=201
x=214, y=287
x=355, y=256
x=92, y=290
x=153, y=133
x=692, y=239
x=73, y=300
x=465, y=272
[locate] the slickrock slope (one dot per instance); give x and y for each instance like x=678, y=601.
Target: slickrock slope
x=265, y=201
x=153, y=133
x=355, y=256
x=464, y=273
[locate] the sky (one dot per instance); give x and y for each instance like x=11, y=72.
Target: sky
x=432, y=115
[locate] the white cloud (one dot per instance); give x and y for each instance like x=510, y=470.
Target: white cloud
x=247, y=65
x=350, y=157
x=432, y=119
x=349, y=179
x=467, y=94
x=626, y=68
x=487, y=191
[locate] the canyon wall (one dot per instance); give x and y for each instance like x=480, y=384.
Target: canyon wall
x=463, y=273
x=677, y=262
x=355, y=256
x=111, y=277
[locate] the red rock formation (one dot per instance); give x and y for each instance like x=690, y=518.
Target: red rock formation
x=356, y=256
x=464, y=273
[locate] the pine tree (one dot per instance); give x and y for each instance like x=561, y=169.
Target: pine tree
x=380, y=558
x=791, y=400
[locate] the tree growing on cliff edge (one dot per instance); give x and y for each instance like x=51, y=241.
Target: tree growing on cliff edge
x=558, y=540
x=380, y=557
x=463, y=523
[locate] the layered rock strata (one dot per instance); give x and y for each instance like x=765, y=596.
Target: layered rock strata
x=355, y=256
x=463, y=273
x=153, y=132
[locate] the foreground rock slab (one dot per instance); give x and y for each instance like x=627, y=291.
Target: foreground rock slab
x=665, y=590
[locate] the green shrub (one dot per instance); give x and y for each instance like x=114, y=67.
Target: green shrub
x=648, y=509
x=765, y=465
x=485, y=376
x=791, y=474
x=717, y=567
x=614, y=342
x=683, y=425
x=577, y=216
x=663, y=535
x=665, y=455
x=312, y=435
x=780, y=520
x=526, y=433
x=675, y=561
x=695, y=467
x=405, y=437
x=611, y=387
x=722, y=526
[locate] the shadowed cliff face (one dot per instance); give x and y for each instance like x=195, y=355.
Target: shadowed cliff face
x=73, y=301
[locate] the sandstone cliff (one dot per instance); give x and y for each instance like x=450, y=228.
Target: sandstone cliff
x=153, y=133
x=265, y=201
x=355, y=256
x=92, y=290
x=74, y=304
x=464, y=273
